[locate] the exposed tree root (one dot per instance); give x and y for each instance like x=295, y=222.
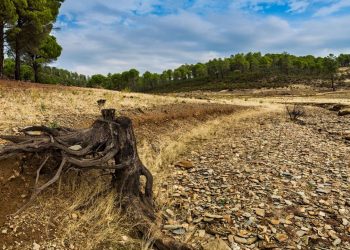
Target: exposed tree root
x=110, y=144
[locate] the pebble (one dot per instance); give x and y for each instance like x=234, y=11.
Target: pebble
x=260, y=212
x=36, y=246
x=281, y=237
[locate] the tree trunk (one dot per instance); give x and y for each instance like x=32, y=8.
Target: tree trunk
x=36, y=70
x=1, y=49
x=18, y=52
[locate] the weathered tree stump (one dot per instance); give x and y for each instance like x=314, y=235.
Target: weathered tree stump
x=110, y=144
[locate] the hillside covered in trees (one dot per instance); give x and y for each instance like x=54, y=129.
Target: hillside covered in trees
x=249, y=70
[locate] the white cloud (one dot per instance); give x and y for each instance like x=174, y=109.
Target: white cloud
x=298, y=6
x=333, y=8
x=110, y=38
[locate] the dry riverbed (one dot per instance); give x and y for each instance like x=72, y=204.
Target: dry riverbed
x=265, y=183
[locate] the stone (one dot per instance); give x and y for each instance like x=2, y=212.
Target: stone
x=252, y=240
x=4, y=231
x=281, y=237
x=179, y=231
x=230, y=239
x=170, y=213
x=217, y=244
x=247, y=215
x=184, y=164
x=228, y=219
x=323, y=191
x=36, y=246
x=332, y=234
x=275, y=221
x=201, y=233
x=74, y=216
x=300, y=233
x=213, y=216
x=260, y=212
x=342, y=211
x=172, y=227
x=336, y=242
x=243, y=233
x=240, y=240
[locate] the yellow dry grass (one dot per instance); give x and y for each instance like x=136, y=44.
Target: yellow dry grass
x=23, y=107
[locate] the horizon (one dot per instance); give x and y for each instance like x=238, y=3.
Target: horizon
x=102, y=38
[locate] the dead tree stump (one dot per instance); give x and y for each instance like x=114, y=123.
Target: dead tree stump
x=110, y=144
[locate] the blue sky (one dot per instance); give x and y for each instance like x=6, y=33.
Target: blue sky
x=112, y=36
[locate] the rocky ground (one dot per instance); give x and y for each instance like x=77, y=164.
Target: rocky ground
x=266, y=183
x=262, y=182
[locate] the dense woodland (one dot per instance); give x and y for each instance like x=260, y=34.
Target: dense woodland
x=26, y=39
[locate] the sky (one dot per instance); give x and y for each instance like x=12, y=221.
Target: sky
x=110, y=36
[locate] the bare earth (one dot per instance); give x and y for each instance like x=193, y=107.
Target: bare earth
x=231, y=170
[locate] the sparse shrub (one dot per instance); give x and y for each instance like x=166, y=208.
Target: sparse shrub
x=42, y=107
x=126, y=90
x=296, y=112
x=54, y=124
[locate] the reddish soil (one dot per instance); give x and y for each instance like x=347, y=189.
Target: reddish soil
x=29, y=85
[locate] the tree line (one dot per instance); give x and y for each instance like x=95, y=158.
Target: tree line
x=25, y=36
x=238, y=68
x=244, y=70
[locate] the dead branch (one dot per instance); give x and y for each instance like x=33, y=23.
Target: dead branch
x=296, y=112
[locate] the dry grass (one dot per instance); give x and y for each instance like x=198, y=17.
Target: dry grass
x=35, y=105
x=87, y=216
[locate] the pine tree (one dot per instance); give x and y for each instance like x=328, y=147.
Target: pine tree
x=34, y=23
x=7, y=16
